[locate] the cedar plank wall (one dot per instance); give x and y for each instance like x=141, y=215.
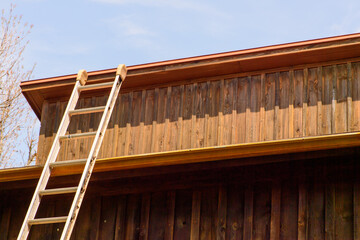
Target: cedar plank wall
x=297, y=102
x=311, y=199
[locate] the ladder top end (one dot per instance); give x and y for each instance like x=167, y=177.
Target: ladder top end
x=82, y=77
x=122, y=71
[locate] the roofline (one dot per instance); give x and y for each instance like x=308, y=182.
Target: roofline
x=201, y=58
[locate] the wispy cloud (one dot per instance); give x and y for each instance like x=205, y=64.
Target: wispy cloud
x=126, y=27
x=175, y=4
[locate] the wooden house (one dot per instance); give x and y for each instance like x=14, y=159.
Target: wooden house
x=253, y=144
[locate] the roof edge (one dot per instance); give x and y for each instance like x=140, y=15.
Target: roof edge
x=202, y=57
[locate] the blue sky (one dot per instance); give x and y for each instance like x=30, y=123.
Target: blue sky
x=100, y=34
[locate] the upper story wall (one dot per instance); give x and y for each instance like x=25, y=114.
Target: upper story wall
x=298, y=101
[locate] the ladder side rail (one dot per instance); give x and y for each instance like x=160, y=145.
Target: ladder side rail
x=75, y=207
x=30, y=215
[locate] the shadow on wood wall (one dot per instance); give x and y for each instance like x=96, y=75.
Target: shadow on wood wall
x=268, y=106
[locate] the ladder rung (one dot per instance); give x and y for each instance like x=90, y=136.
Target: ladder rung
x=76, y=135
x=96, y=86
x=86, y=110
x=55, y=191
x=68, y=163
x=39, y=221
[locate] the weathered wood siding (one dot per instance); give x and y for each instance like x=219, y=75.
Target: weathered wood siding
x=313, y=199
x=246, y=107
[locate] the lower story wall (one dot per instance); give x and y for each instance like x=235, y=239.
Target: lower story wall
x=312, y=199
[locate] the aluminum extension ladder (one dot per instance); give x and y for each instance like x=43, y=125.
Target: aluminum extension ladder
x=79, y=191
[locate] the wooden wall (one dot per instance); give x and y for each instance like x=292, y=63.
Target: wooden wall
x=245, y=107
x=312, y=199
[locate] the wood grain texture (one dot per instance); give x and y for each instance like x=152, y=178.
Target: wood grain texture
x=302, y=101
x=195, y=215
x=308, y=199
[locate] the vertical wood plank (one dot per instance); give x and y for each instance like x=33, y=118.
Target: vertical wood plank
x=170, y=206
x=15, y=224
x=319, y=100
x=220, y=124
x=132, y=217
x=355, y=123
x=85, y=122
x=262, y=108
x=167, y=119
x=333, y=98
x=101, y=101
x=117, y=126
x=234, y=133
x=262, y=211
x=62, y=151
x=145, y=216
x=122, y=123
x=41, y=156
x=158, y=216
x=305, y=102
x=341, y=106
x=184, y=213
x=269, y=106
x=154, y=121
x=277, y=118
x=330, y=231
x=148, y=121
x=201, y=101
x=327, y=78
x=108, y=218
x=129, y=115
x=275, y=211
x=344, y=210
x=209, y=199
x=291, y=103
x=135, y=123
x=248, y=213
x=214, y=98
x=316, y=212
x=289, y=210
x=357, y=208
x=255, y=87
x=5, y=210
x=141, y=141
x=221, y=214
x=108, y=137
x=175, y=118
x=298, y=104
x=303, y=213
x=120, y=218
x=179, y=133
x=312, y=107
x=227, y=110
x=349, y=97
x=242, y=109
x=283, y=113
x=160, y=121
x=186, y=131
x=195, y=215
x=235, y=213
x=195, y=100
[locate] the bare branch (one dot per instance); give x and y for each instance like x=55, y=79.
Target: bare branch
x=14, y=111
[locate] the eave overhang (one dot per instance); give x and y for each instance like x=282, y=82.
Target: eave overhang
x=199, y=68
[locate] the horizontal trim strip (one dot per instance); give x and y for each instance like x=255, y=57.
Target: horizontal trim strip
x=198, y=155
